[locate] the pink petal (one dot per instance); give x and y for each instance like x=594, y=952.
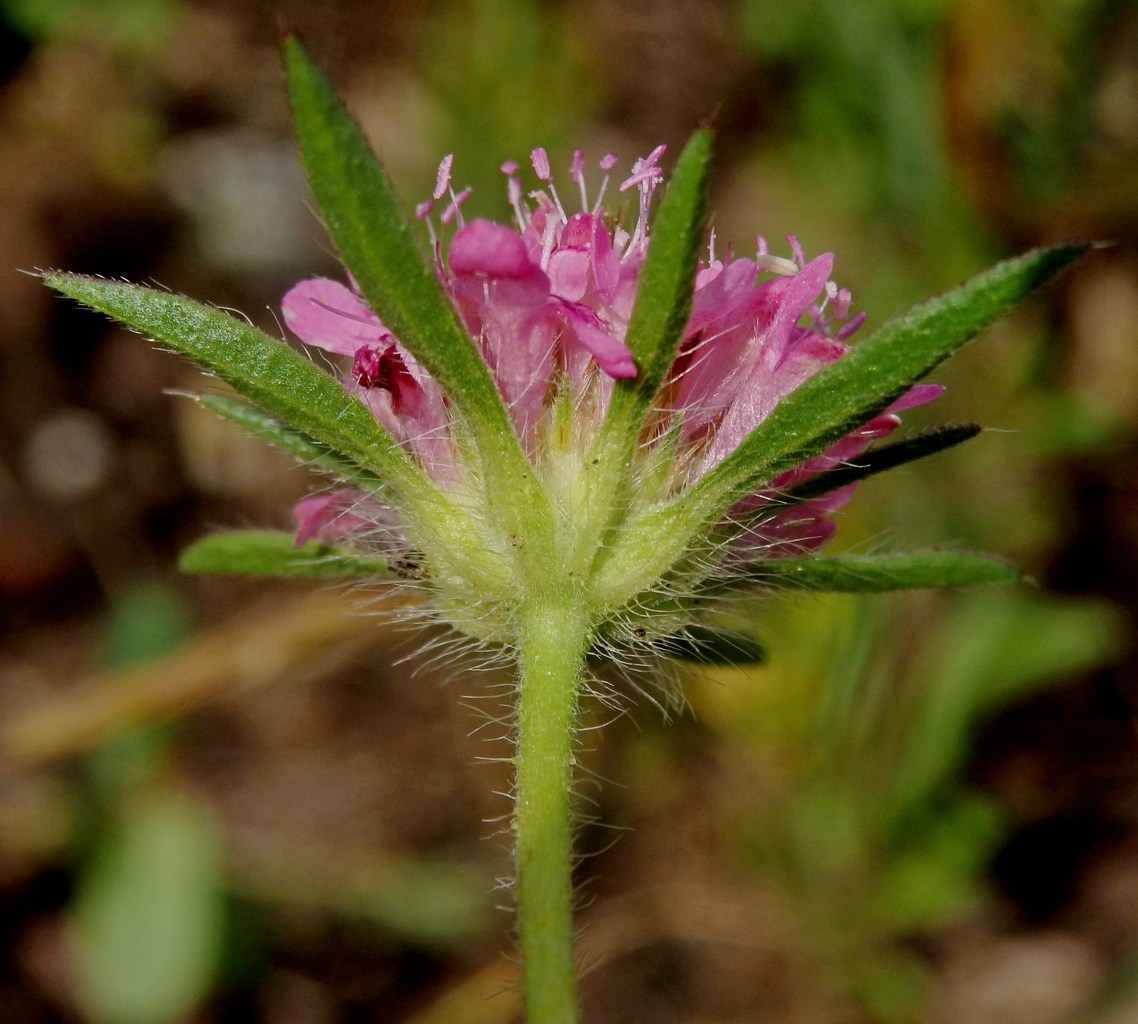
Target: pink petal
x=765, y=388
x=801, y=291
x=328, y=516
x=612, y=355
x=918, y=394
x=326, y=314
x=606, y=270
x=569, y=273
x=578, y=233
x=488, y=250
x=705, y=276
x=504, y=301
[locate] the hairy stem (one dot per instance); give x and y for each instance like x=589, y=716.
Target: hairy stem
x=554, y=639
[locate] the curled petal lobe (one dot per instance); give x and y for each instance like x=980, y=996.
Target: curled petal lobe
x=384, y=367
x=612, y=356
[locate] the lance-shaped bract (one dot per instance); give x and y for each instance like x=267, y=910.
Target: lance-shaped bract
x=878, y=573
x=375, y=241
x=656, y=325
x=271, y=553
x=888, y=456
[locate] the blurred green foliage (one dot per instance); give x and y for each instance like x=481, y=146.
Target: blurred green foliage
x=866, y=90
x=148, y=915
x=864, y=717
x=132, y=24
x=511, y=75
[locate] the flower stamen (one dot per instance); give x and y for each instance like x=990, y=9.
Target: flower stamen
x=540, y=160
x=606, y=164
x=577, y=173
x=514, y=193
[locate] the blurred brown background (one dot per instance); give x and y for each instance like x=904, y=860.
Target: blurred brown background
x=223, y=801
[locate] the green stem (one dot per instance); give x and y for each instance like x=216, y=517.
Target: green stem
x=553, y=641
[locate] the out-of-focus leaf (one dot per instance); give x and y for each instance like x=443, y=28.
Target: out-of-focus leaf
x=993, y=650
x=866, y=573
x=148, y=917
x=932, y=880
x=437, y=903
x=271, y=553
x=145, y=622
x=134, y=23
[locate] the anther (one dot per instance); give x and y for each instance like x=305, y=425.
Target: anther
x=442, y=182
x=540, y=160
x=607, y=163
x=453, y=207
x=514, y=193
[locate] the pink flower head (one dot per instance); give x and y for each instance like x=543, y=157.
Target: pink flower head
x=549, y=300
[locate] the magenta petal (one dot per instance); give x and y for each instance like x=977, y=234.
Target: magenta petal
x=606, y=270
x=578, y=232
x=705, y=276
x=488, y=250
x=918, y=394
x=765, y=388
x=328, y=516
x=569, y=273
x=720, y=293
x=504, y=301
x=802, y=290
x=612, y=355
x=326, y=314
